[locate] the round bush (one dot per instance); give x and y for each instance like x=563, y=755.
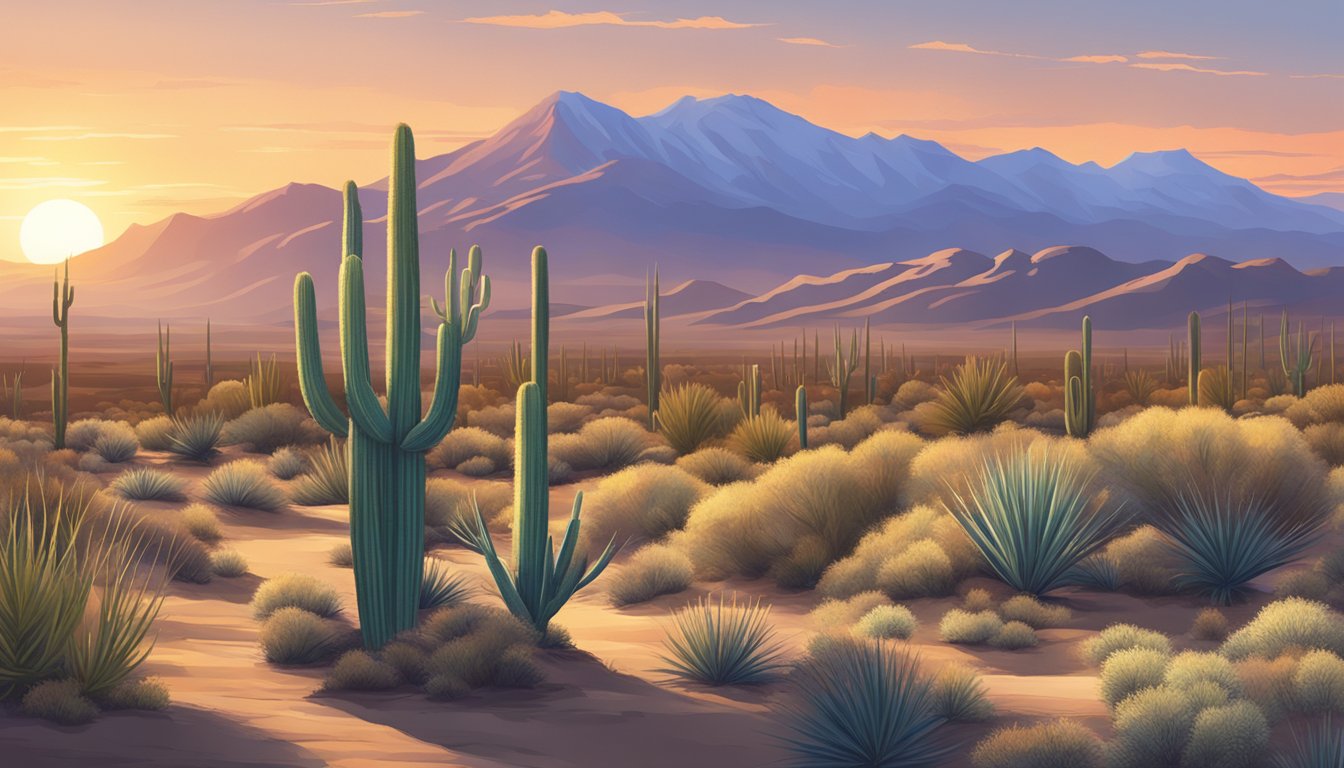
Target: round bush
x=652, y=571
x=1118, y=637
x=1014, y=636
x=1056, y=744
x=968, y=628
x=295, y=636
x=887, y=622
x=1318, y=683
x=59, y=701
x=1284, y=624
x=358, y=671
x=1151, y=729
x=1191, y=667
x=228, y=563
x=295, y=590
x=1231, y=736
x=1210, y=624
x=1129, y=671
x=1034, y=613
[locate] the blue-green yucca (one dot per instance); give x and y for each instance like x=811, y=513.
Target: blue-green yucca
x=722, y=643
x=1323, y=747
x=1032, y=517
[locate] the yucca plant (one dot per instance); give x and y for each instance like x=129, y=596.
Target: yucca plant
x=440, y=588
x=1140, y=386
x=978, y=397
x=327, y=480
x=688, y=416
x=717, y=642
x=862, y=704
x=1033, y=518
x=1223, y=543
x=196, y=437
x=763, y=437
x=145, y=484
x=244, y=483
x=116, y=447
x=1322, y=747
x=1215, y=388
x=264, y=385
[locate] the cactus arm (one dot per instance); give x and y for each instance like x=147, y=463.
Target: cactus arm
x=365, y=410
x=312, y=380
x=443, y=409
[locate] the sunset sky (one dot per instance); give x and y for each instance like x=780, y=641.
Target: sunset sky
x=141, y=109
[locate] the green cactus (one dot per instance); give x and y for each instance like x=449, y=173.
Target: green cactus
x=653, y=361
x=843, y=368
x=1080, y=399
x=562, y=376
x=516, y=366
x=163, y=369
x=62, y=296
x=1193, y=362
x=800, y=413
x=869, y=382
x=209, y=362
x=749, y=391
x=386, y=447
x=1295, y=367
x=541, y=581
x=1016, y=370
x=12, y=390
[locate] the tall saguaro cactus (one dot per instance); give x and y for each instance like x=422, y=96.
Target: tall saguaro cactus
x=1193, y=366
x=1080, y=400
x=1295, y=366
x=62, y=296
x=163, y=369
x=653, y=366
x=386, y=448
x=843, y=368
x=209, y=361
x=749, y=391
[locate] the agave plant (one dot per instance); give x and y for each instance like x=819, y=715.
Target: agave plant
x=862, y=704
x=722, y=643
x=196, y=437
x=1322, y=747
x=1140, y=386
x=978, y=397
x=1223, y=542
x=764, y=437
x=688, y=416
x=440, y=588
x=1033, y=518
x=327, y=480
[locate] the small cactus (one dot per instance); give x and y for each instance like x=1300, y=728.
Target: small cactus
x=62, y=296
x=163, y=369
x=1080, y=399
x=1193, y=362
x=800, y=413
x=1296, y=365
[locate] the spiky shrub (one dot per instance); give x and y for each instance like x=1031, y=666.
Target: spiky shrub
x=862, y=703
x=327, y=480
x=287, y=463
x=145, y=484
x=717, y=642
x=196, y=437
x=1140, y=385
x=228, y=563
x=1054, y=744
x=263, y=430
x=978, y=397
x=688, y=416
x=1215, y=388
x=264, y=385
x=243, y=483
x=116, y=446
x=959, y=695
x=763, y=438
x=1033, y=517
x=440, y=587
x=1322, y=746
x=1224, y=543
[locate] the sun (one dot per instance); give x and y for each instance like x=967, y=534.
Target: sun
x=58, y=229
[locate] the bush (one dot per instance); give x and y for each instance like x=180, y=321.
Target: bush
x=448, y=502
x=718, y=466
x=862, y=703
x=1190, y=668
x=342, y=555
x=145, y=484
x=439, y=588
x=920, y=553
x=80, y=435
x=1323, y=747
x=1056, y=744
x=688, y=416
x=1285, y=624
x=976, y=600
x=1014, y=636
x=327, y=480
x=287, y=463
x=155, y=434
x=835, y=614
x=117, y=444
x=1151, y=729
x=1312, y=585
x=764, y=437
x=640, y=503
x=886, y=622
x=1321, y=405
x=59, y=701
x=228, y=563
x=295, y=590
x=477, y=467
x=195, y=438
x=1318, y=683
x=480, y=646
x=1231, y=736
x=262, y=430
x=608, y=444
x=228, y=399
x=201, y=522
x=1210, y=624
x=1326, y=441
x=1099, y=572
x=1269, y=683
x=722, y=643
x=1119, y=637
x=466, y=443
x=958, y=695
x=978, y=397
x=922, y=570
x=295, y=636
x=963, y=627
x=1034, y=613
x=358, y=671
x=144, y=695
x=1129, y=671
x=244, y=483
x=1145, y=561
x=652, y=571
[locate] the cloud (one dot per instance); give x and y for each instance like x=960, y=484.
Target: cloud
x=319, y=3
x=21, y=160
x=561, y=19
x=940, y=45
x=808, y=41
x=388, y=14
x=1103, y=59
x=41, y=128
x=101, y=135
x=1174, y=55
x=1325, y=76
x=20, y=183
x=1174, y=67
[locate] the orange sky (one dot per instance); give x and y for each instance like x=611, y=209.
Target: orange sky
x=142, y=109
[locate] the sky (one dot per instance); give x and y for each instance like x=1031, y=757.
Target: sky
x=143, y=109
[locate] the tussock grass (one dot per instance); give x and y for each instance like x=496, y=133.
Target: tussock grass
x=653, y=571
x=145, y=484
x=295, y=590
x=1054, y=744
x=244, y=483
x=722, y=643
x=327, y=479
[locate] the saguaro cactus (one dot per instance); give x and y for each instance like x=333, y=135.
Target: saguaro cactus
x=1080, y=400
x=163, y=369
x=1193, y=366
x=800, y=413
x=869, y=382
x=62, y=296
x=749, y=391
x=386, y=447
x=653, y=366
x=1295, y=367
x=843, y=368
x=209, y=362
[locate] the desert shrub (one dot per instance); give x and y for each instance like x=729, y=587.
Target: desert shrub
x=243, y=483
x=608, y=444
x=976, y=600
x=228, y=563
x=264, y=429
x=447, y=501
x=196, y=437
x=1151, y=728
x=640, y=503
x=862, y=703
x=857, y=426
x=295, y=590
x=1034, y=613
x=200, y=521
x=1269, y=683
x=923, y=569
x=1312, y=585
x=1327, y=441
x=477, y=467
x=964, y=627
x=327, y=479
x=92, y=462
x=1033, y=518
x=80, y=435
x=287, y=463
x=688, y=416
x=1145, y=561
x=1014, y=636
x=718, y=466
x=145, y=484
x=566, y=417
x=833, y=613
x=912, y=393
x=155, y=434
x=877, y=560
x=496, y=419
x=342, y=555
x=59, y=701
x=1318, y=683
x=440, y=588
x=146, y=695
x=1321, y=747
x=1234, y=735
x=480, y=646
x=1189, y=668
x=716, y=642
x=980, y=395
x=409, y=659
x=1321, y=405
x=1285, y=624
x=959, y=696
x=1210, y=624
x=116, y=443
x=465, y=443
x=1119, y=637
x=228, y=399
x=764, y=437
x=292, y=635
x=1055, y=744
x=358, y=671
x=652, y=571
x=887, y=622
x=1099, y=572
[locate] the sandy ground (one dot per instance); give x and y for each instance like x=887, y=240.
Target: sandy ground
x=604, y=705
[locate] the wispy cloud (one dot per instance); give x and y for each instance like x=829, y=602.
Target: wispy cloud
x=388, y=14
x=1174, y=55
x=21, y=160
x=562, y=19
x=41, y=128
x=1102, y=59
x=1323, y=76
x=320, y=3
x=813, y=41
x=1148, y=56
x=1177, y=67
x=941, y=45
x=101, y=135
x=19, y=183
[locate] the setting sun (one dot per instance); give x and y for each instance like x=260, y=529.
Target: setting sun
x=58, y=229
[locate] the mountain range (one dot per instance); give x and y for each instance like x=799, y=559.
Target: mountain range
x=732, y=191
